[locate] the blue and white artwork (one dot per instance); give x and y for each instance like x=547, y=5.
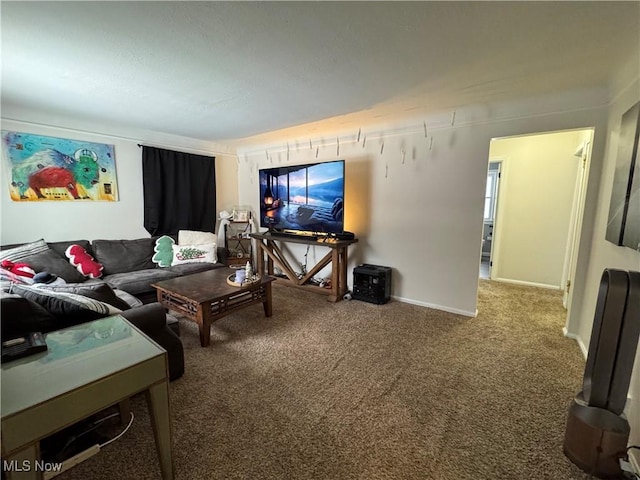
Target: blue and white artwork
x=51, y=168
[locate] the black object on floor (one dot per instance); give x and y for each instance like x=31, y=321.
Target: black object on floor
x=372, y=283
x=596, y=434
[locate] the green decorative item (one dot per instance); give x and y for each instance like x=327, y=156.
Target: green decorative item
x=164, y=251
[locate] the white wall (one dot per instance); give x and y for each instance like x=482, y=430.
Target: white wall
x=604, y=254
x=424, y=218
x=56, y=221
x=537, y=184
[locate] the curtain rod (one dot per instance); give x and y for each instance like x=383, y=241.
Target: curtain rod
x=185, y=149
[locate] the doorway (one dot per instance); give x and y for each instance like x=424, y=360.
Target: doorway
x=538, y=208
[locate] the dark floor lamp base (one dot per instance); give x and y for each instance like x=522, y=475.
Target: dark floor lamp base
x=595, y=439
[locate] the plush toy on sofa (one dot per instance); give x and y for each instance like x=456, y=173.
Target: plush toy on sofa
x=85, y=263
x=20, y=269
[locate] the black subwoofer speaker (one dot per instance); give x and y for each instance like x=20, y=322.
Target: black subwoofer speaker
x=372, y=283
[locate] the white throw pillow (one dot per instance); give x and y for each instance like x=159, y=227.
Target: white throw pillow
x=194, y=254
x=192, y=237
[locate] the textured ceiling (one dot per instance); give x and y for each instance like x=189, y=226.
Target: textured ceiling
x=221, y=71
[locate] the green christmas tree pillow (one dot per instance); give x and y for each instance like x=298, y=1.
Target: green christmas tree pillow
x=164, y=251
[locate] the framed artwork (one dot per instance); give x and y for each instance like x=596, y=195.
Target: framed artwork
x=50, y=168
x=240, y=216
x=241, y=213
x=623, y=225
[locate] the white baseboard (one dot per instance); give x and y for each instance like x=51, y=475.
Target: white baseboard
x=529, y=284
x=575, y=337
x=436, y=307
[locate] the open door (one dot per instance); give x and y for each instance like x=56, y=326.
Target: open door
x=573, y=242
x=490, y=208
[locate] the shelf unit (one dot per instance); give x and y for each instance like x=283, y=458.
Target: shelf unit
x=238, y=242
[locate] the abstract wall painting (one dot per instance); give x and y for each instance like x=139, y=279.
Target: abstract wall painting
x=51, y=168
x=623, y=226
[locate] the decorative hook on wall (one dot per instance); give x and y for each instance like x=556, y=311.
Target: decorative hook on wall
x=453, y=118
x=317, y=151
x=403, y=152
x=386, y=170
x=287, y=151
x=310, y=146
x=358, y=140
x=381, y=147
x=424, y=124
x=431, y=143
x=364, y=140
x=337, y=147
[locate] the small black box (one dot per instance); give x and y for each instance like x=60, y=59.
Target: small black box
x=372, y=283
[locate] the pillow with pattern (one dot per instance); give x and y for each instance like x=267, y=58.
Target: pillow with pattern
x=194, y=254
x=70, y=307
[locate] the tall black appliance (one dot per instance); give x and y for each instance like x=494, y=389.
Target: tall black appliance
x=597, y=432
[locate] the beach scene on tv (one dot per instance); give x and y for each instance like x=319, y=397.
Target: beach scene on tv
x=303, y=197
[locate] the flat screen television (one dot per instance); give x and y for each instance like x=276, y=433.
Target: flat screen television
x=303, y=198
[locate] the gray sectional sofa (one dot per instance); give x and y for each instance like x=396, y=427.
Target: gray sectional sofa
x=128, y=275
x=127, y=264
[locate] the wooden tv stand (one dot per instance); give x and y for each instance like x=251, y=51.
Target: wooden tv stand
x=270, y=253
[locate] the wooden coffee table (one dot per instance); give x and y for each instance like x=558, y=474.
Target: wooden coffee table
x=206, y=297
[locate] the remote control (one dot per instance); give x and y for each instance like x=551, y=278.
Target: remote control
x=23, y=346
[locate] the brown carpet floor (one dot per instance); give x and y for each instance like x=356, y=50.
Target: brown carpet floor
x=360, y=391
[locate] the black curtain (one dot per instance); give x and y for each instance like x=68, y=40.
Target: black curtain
x=179, y=191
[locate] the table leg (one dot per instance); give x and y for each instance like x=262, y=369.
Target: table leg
x=342, y=271
x=203, y=317
x=158, y=403
x=125, y=411
x=260, y=257
x=335, y=276
x=268, y=303
x=22, y=464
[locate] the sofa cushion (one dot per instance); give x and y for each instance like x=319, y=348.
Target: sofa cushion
x=98, y=291
x=17, y=254
x=61, y=247
x=119, y=256
x=19, y=316
x=189, y=268
x=67, y=307
x=50, y=261
x=127, y=298
x=194, y=237
x=139, y=281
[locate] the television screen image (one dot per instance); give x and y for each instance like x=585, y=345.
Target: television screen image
x=308, y=198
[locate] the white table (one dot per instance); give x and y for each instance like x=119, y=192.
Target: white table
x=86, y=369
